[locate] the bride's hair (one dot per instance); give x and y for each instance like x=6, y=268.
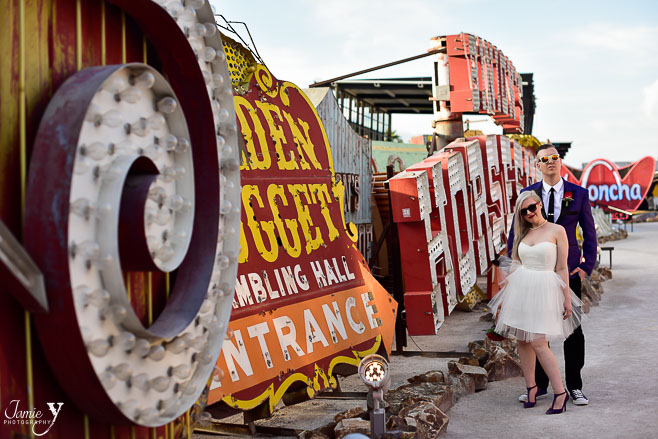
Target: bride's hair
x=521, y=226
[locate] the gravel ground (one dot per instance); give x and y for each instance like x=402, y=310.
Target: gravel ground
x=619, y=375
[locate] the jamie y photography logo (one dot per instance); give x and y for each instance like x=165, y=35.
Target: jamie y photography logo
x=14, y=415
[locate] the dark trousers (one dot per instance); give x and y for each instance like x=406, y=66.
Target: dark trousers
x=574, y=352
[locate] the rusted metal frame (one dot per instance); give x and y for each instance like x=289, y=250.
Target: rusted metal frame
x=227, y=429
x=372, y=69
x=342, y=395
x=378, y=246
x=432, y=354
x=389, y=131
x=395, y=262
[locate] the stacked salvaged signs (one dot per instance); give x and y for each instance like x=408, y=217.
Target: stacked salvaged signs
x=453, y=211
x=484, y=80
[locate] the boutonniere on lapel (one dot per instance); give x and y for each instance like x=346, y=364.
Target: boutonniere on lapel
x=567, y=198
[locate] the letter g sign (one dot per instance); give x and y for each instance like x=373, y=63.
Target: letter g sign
x=134, y=172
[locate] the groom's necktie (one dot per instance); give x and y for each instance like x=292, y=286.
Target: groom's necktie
x=551, y=205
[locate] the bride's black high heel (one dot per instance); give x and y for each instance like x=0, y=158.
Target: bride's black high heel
x=553, y=411
x=527, y=404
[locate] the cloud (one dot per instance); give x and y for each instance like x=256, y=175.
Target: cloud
x=650, y=100
x=630, y=40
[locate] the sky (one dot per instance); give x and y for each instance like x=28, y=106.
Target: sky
x=595, y=63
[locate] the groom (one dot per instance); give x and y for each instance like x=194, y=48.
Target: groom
x=566, y=204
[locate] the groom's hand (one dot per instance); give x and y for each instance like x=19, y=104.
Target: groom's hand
x=580, y=272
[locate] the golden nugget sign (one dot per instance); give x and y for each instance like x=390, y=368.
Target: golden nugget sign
x=305, y=300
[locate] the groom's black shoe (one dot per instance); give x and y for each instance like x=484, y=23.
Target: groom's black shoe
x=540, y=394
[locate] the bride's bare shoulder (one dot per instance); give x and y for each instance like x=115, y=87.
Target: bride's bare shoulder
x=557, y=230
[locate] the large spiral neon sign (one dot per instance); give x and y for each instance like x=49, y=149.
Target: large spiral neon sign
x=130, y=172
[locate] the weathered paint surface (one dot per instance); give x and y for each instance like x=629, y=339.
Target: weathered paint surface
x=447, y=239
x=305, y=300
x=50, y=55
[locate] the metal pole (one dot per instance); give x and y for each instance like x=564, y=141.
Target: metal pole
x=447, y=126
x=372, y=69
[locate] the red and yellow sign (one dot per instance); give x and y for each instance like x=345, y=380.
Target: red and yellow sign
x=608, y=185
x=305, y=300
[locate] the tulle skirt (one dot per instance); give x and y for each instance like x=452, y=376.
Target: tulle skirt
x=531, y=306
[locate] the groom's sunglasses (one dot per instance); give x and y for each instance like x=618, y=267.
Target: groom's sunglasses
x=548, y=158
x=531, y=208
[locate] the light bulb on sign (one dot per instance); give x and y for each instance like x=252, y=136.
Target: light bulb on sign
x=218, y=374
x=97, y=297
x=163, y=217
x=183, y=145
x=107, y=380
x=164, y=253
x=208, y=54
x=82, y=207
x=96, y=150
x=140, y=127
x=223, y=262
x=167, y=105
x=160, y=384
x=142, y=348
x=98, y=347
x=168, y=405
x=112, y=119
x=125, y=340
x=176, y=202
x=122, y=371
x=169, y=142
x=218, y=80
x=157, y=194
x=145, y=79
x=140, y=381
x=157, y=353
x=181, y=371
x=87, y=250
x=176, y=347
x=131, y=95
x=211, y=29
x=157, y=121
x=116, y=84
x=115, y=313
x=224, y=115
x=93, y=114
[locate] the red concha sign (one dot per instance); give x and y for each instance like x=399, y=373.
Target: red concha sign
x=605, y=185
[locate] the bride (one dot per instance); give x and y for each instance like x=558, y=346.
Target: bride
x=536, y=305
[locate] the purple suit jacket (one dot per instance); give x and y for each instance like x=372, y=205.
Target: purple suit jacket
x=577, y=212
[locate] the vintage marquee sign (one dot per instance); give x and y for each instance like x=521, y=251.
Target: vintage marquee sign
x=129, y=205
x=606, y=186
x=484, y=80
x=137, y=217
x=305, y=300
x=447, y=240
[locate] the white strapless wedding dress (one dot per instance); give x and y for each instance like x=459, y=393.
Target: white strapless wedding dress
x=532, y=299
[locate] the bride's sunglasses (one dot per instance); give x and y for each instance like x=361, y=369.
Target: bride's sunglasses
x=548, y=158
x=531, y=208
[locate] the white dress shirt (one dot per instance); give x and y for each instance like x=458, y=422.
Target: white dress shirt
x=557, y=197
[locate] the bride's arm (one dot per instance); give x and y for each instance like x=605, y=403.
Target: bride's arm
x=562, y=269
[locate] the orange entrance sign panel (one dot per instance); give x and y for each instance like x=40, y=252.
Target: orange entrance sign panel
x=305, y=301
